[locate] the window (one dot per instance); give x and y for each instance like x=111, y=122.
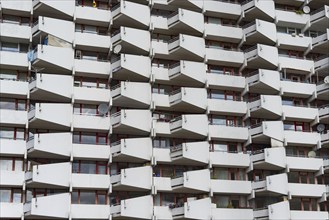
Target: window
x=12, y=133
x=13, y=104
x=90, y=138
x=89, y=197
x=5, y=195
x=90, y=167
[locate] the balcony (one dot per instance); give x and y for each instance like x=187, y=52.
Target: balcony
x=320, y=18
x=133, y=179
x=24, y=8
x=189, y=125
x=39, y=207
x=13, y=117
x=187, y=73
x=262, y=56
x=52, y=59
x=224, y=33
x=132, y=41
x=187, y=4
x=12, y=210
x=227, y=107
x=291, y=19
x=50, y=116
x=92, y=68
x=11, y=179
x=297, y=89
x=13, y=88
x=50, y=145
x=223, y=57
x=192, y=100
x=326, y=169
x=280, y=210
x=91, y=181
x=324, y=113
x=93, y=16
x=91, y=122
x=232, y=214
x=193, y=48
x=273, y=185
x=12, y=60
x=296, y=65
x=320, y=43
x=133, y=67
x=266, y=106
x=191, y=153
x=134, y=208
x=322, y=90
x=231, y=187
x=56, y=175
x=196, y=181
x=12, y=148
x=298, y=163
x=269, y=159
x=91, y=95
x=225, y=82
x=263, y=10
x=293, y=41
x=82, y=211
x=191, y=209
x=92, y=42
x=266, y=132
x=187, y=22
x=300, y=113
x=22, y=33
x=124, y=14
x=321, y=65
x=53, y=9
x=134, y=150
x=260, y=31
x=45, y=87
x=223, y=9
x=310, y=139
x=301, y=215
x=228, y=133
x=134, y=122
x=131, y=95
x=325, y=140
x=306, y=190
x=229, y=159
x=46, y=27
x=263, y=81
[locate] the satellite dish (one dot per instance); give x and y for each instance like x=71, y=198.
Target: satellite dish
x=117, y=49
x=320, y=127
x=311, y=154
x=306, y=9
x=326, y=80
x=103, y=109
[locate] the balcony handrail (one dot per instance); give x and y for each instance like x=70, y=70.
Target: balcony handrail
x=250, y=49
x=31, y=108
x=324, y=106
x=245, y=2
x=253, y=73
x=116, y=114
x=254, y=99
x=115, y=87
x=303, y=156
x=317, y=11
x=249, y=25
x=8, y=79
x=30, y=138
x=115, y=143
x=176, y=148
x=256, y=152
x=259, y=209
x=290, y=80
x=172, y=66
x=32, y=79
x=173, y=14
x=173, y=40
x=115, y=33
x=113, y=60
x=175, y=176
x=115, y=7
x=35, y=23
x=256, y=125
x=321, y=57
x=176, y=119
x=175, y=92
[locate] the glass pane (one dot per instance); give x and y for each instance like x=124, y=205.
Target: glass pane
x=5, y=195
x=102, y=199
x=75, y=167
x=87, y=197
x=6, y=165
x=17, y=196
x=88, y=167
x=18, y=165
x=7, y=133
x=7, y=104
x=75, y=197
x=102, y=169
x=88, y=138
x=20, y=134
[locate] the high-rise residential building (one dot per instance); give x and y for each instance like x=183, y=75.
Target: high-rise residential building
x=164, y=109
